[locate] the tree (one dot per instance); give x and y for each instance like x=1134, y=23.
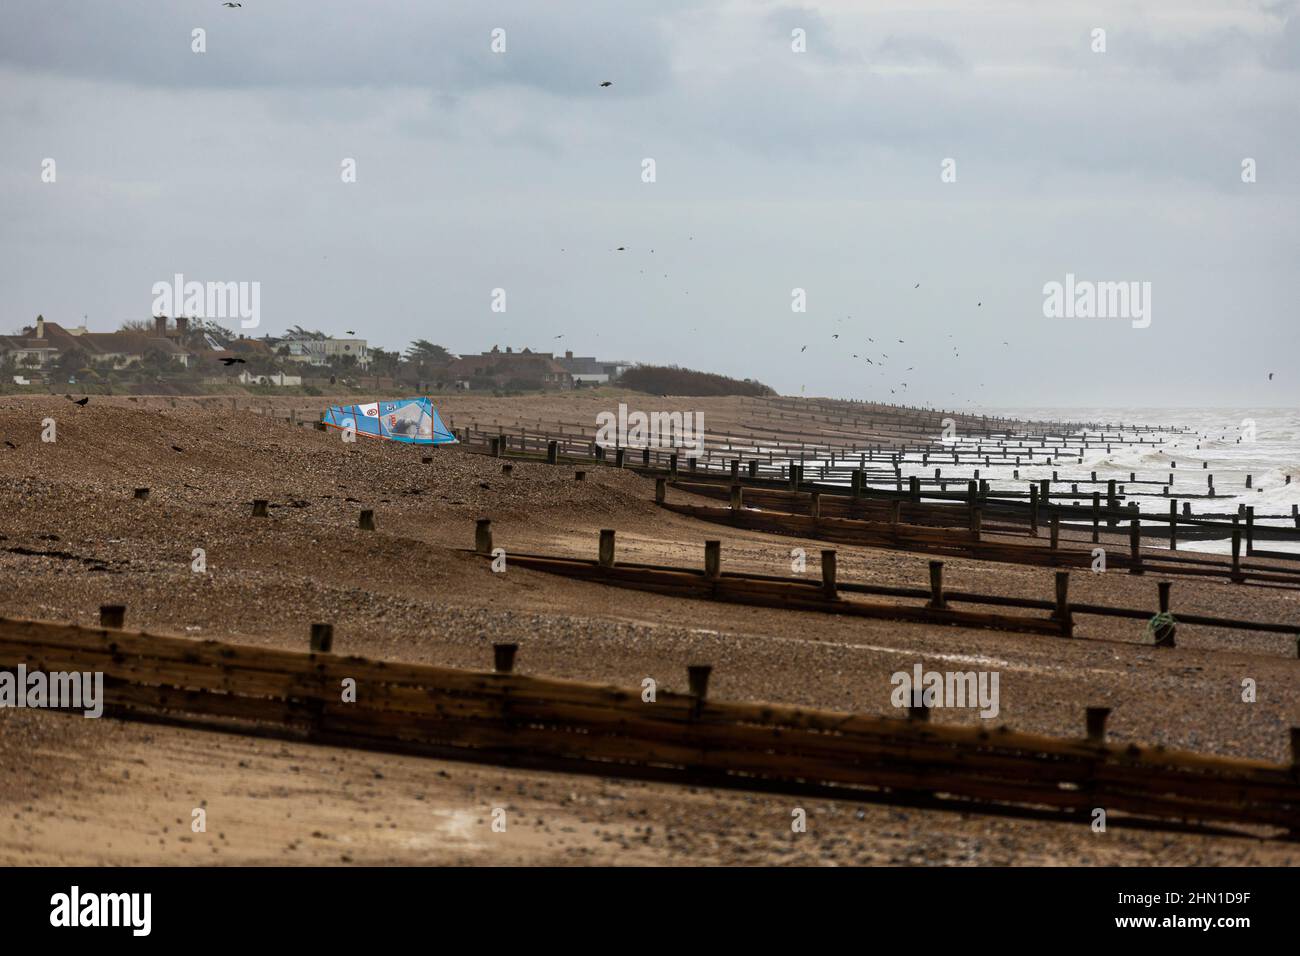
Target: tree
x=298, y=332
x=424, y=352
x=71, y=361
x=137, y=325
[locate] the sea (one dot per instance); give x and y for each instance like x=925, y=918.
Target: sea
x=1231, y=443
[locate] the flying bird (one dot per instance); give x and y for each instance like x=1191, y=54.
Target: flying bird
x=231, y=361
x=606, y=83
x=917, y=286
x=804, y=349
x=620, y=249
x=350, y=332
x=231, y=4
x=1270, y=376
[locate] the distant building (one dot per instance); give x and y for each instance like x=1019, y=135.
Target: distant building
x=275, y=378
x=48, y=340
x=327, y=351
x=588, y=370
x=509, y=369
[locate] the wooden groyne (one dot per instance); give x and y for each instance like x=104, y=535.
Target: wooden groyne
x=503, y=717
x=827, y=594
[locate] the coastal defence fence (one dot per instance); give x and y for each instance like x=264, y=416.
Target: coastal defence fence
x=503, y=717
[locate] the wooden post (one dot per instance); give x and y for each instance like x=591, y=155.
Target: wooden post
x=503, y=657
x=112, y=615
x=917, y=710
x=322, y=638
x=1111, y=504
x=1062, y=612
x=581, y=475
x=142, y=494
x=828, y=574
x=735, y=468
x=697, y=677
x=507, y=469
x=1236, y=551
x=855, y=482
x=259, y=507
x=1033, y=511
x=737, y=497
x=366, y=522
x=1135, y=546
x=661, y=490
x=1095, y=718
x=1173, y=525
x=713, y=560
x=1164, y=634
x=1250, y=529
x=815, y=505
x=936, y=586
x=1055, y=530
x=619, y=454
x=483, y=536
x=426, y=460
x=672, y=465
x=552, y=452
x=606, y=548
x=753, y=468
x=976, y=521
x=895, y=511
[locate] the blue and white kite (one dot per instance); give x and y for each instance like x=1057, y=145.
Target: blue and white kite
x=411, y=420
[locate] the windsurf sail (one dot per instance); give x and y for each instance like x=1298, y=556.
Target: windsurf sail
x=411, y=420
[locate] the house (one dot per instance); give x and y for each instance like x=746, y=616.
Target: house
x=42, y=346
x=524, y=369
x=588, y=370
x=313, y=351
x=275, y=378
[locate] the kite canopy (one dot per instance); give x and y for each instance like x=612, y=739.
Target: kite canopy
x=411, y=420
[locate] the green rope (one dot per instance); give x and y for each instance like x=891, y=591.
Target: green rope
x=1161, y=620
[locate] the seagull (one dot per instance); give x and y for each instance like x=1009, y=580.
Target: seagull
x=917, y=286
x=804, y=349
x=620, y=249
x=232, y=5
x=607, y=83
x=350, y=332
x=835, y=335
x=1270, y=376
x=231, y=361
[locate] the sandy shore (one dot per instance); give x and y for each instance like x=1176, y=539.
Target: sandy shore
x=72, y=538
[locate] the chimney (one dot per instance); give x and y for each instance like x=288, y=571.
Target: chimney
x=160, y=325
x=568, y=354
x=508, y=350
x=40, y=326
x=182, y=324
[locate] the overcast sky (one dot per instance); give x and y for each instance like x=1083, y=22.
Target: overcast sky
x=775, y=170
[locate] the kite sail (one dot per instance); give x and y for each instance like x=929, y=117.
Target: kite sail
x=411, y=420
